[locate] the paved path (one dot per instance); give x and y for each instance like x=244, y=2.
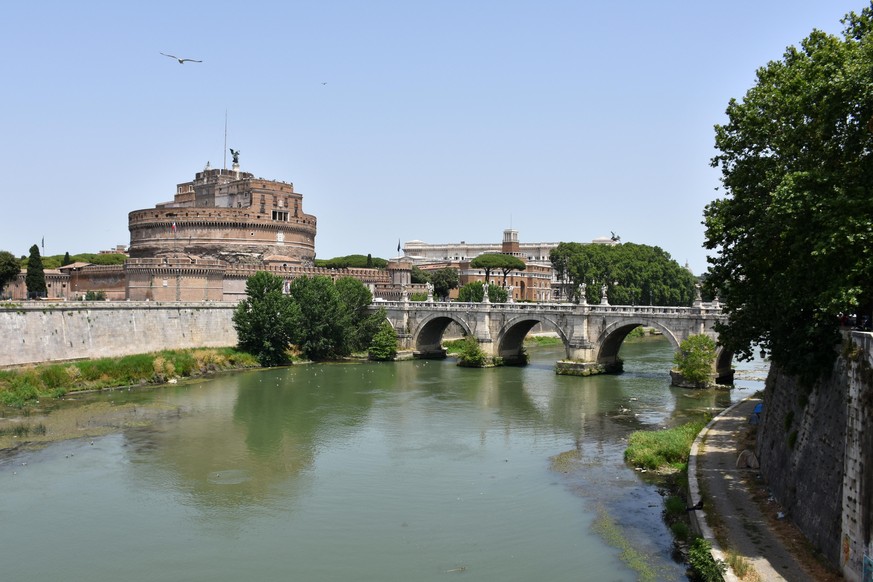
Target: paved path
x=713, y=470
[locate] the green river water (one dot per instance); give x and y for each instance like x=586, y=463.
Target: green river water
x=404, y=471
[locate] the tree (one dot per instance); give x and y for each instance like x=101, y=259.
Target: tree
x=473, y=292
x=644, y=274
x=362, y=322
x=512, y=263
x=67, y=260
x=695, y=358
x=418, y=277
x=793, y=235
x=265, y=319
x=322, y=332
x=444, y=280
x=35, y=278
x=495, y=261
x=383, y=347
x=352, y=261
x=9, y=269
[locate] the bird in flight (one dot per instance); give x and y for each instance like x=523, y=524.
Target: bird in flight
x=181, y=61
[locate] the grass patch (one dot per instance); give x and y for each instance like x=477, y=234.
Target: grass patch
x=21, y=386
x=542, y=340
x=662, y=449
x=741, y=567
x=23, y=430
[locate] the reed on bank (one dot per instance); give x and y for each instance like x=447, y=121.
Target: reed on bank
x=18, y=386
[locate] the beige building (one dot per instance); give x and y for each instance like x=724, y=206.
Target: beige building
x=538, y=282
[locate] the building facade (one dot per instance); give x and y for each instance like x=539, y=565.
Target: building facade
x=538, y=282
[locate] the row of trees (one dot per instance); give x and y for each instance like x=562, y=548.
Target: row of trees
x=323, y=319
x=794, y=232
x=633, y=273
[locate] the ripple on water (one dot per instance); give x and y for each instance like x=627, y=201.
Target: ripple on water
x=229, y=477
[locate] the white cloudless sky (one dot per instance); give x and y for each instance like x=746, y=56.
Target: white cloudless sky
x=438, y=121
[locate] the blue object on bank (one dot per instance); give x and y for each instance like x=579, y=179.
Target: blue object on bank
x=755, y=417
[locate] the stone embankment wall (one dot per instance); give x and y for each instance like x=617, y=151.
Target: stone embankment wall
x=46, y=332
x=815, y=446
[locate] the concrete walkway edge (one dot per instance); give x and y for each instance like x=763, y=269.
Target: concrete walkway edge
x=698, y=517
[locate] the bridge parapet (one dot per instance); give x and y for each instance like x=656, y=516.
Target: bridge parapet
x=592, y=334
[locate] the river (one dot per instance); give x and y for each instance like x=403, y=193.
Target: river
x=416, y=470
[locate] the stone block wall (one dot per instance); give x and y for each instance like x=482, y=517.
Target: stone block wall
x=45, y=332
x=817, y=458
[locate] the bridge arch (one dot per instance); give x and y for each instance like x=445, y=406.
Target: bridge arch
x=510, y=338
x=427, y=336
x=613, y=335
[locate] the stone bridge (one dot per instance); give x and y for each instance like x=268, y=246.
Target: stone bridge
x=592, y=334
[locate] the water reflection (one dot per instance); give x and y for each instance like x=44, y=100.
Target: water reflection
x=365, y=471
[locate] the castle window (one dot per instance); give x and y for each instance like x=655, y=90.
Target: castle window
x=281, y=215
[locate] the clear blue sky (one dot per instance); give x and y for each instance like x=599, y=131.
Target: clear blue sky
x=440, y=121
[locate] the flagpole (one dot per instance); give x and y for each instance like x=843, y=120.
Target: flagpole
x=225, y=139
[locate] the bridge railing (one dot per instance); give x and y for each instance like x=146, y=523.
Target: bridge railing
x=706, y=308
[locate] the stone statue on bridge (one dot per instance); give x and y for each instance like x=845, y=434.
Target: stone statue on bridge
x=485, y=298
x=583, y=293
x=604, y=300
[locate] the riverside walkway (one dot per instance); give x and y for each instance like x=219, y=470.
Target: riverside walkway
x=712, y=468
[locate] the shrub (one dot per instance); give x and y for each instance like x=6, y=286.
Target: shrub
x=384, y=344
x=695, y=358
x=470, y=354
x=703, y=566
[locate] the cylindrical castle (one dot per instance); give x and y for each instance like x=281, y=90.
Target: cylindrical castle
x=230, y=216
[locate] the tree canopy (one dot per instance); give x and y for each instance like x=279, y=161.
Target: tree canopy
x=322, y=318
x=443, y=280
x=9, y=269
x=633, y=274
x=265, y=319
x=475, y=292
x=497, y=262
x=352, y=261
x=793, y=236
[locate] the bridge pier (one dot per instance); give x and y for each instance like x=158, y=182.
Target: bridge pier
x=592, y=334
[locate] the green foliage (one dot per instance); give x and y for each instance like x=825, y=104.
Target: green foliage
x=470, y=354
x=695, y=358
x=384, y=344
x=497, y=262
x=444, y=280
x=35, y=277
x=19, y=387
x=352, y=261
x=704, y=567
x=794, y=232
x=67, y=260
x=419, y=277
x=95, y=296
x=418, y=296
x=474, y=292
x=9, y=269
x=322, y=318
x=645, y=274
x=321, y=332
x=362, y=322
x=660, y=449
x=265, y=319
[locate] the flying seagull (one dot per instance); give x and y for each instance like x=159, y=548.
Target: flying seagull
x=181, y=61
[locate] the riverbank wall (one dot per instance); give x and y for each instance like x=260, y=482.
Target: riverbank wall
x=32, y=333
x=815, y=446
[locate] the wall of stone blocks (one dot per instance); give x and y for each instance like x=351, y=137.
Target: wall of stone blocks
x=46, y=332
x=815, y=447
